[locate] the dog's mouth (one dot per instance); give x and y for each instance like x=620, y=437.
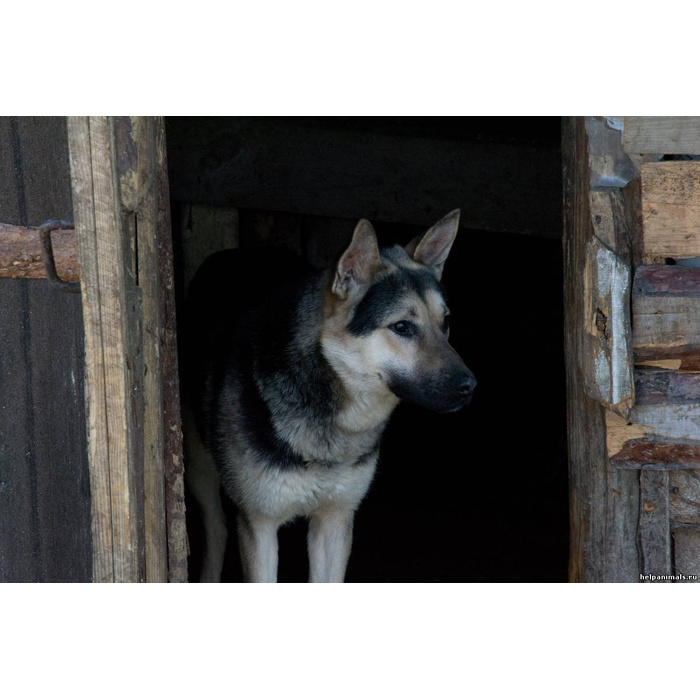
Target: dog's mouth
x=459, y=406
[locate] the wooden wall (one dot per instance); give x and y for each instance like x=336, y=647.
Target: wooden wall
x=44, y=480
x=633, y=346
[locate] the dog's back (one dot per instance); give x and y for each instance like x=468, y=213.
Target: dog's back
x=228, y=287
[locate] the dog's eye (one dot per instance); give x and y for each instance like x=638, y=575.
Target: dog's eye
x=446, y=324
x=403, y=328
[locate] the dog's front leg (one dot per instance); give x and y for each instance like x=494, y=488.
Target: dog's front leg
x=329, y=540
x=257, y=542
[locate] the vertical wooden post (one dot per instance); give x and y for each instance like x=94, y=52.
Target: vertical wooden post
x=604, y=502
x=117, y=176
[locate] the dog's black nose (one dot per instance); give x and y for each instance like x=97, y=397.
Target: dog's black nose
x=467, y=384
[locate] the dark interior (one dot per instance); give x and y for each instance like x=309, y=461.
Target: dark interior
x=480, y=495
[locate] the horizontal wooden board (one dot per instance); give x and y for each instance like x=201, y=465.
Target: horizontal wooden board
x=283, y=165
x=665, y=312
x=671, y=209
x=664, y=427
x=662, y=135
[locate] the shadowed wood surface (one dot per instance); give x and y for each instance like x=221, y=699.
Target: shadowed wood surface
x=604, y=502
x=303, y=167
x=44, y=482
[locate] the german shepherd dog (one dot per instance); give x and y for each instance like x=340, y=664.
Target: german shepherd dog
x=292, y=393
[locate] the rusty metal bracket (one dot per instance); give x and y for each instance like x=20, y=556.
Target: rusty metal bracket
x=47, y=254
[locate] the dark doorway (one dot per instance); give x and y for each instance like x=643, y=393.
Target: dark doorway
x=480, y=495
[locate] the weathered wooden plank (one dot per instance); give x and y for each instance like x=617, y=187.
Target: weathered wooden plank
x=666, y=312
x=663, y=135
x=686, y=555
x=44, y=482
x=654, y=524
x=286, y=166
x=684, y=498
x=671, y=209
x=103, y=254
x=155, y=522
x=172, y=422
x=656, y=454
x=604, y=508
x=664, y=427
x=606, y=356
x=124, y=239
x=84, y=217
x=656, y=386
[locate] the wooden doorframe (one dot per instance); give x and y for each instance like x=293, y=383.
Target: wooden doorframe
x=632, y=344
x=122, y=221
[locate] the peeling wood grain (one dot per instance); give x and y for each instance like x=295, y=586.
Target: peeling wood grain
x=606, y=360
x=654, y=523
x=20, y=253
x=671, y=209
x=676, y=421
x=684, y=497
x=656, y=455
x=662, y=135
x=664, y=427
x=661, y=364
x=609, y=165
x=619, y=431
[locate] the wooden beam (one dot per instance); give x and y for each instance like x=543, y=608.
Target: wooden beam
x=663, y=429
x=20, y=253
x=662, y=135
x=172, y=421
x=666, y=312
x=606, y=352
x=103, y=253
x=125, y=255
x=280, y=165
x=671, y=210
x=604, y=502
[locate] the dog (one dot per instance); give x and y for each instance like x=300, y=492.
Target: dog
x=291, y=392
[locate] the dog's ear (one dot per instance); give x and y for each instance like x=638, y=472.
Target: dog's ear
x=433, y=248
x=359, y=262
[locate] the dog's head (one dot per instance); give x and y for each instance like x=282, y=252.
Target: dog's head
x=387, y=320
